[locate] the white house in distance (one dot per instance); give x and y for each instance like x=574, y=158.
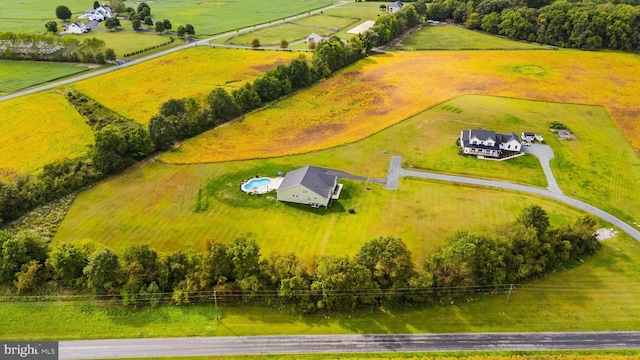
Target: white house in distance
x=309, y=185
x=394, y=7
x=76, y=28
x=314, y=38
x=486, y=143
x=101, y=13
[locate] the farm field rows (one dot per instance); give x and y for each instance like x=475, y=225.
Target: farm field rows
x=32, y=139
x=456, y=37
x=137, y=92
x=17, y=75
x=600, y=294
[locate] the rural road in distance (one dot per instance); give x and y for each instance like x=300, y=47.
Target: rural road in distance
x=300, y=344
x=204, y=42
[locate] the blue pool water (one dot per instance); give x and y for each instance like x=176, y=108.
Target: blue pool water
x=256, y=184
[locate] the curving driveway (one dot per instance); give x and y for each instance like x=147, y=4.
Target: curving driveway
x=544, y=153
x=396, y=171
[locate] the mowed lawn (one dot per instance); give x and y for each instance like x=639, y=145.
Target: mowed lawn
x=172, y=207
x=30, y=16
x=17, y=75
x=137, y=92
x=33, y=136
x=126, y=40
x=599, y=295
x=456, y=37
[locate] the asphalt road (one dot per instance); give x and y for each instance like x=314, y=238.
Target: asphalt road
x=396, y=171
x=544, y=153
x=299, y=344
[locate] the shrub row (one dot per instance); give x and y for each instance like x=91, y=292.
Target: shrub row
x=138, y=52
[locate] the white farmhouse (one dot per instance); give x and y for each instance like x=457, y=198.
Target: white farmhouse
x=99, y=14
x=486, y=143
x=76, y=28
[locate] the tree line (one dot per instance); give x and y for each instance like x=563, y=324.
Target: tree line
x=572, y=24
x=41, y=47
x=380, y=274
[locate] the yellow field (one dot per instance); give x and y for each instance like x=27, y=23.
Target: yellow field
x=380, y=91
x=34, y=135
x=138, y=91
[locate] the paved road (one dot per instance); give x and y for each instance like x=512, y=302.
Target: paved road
x=396, y=171
x=544, y=153
x=159, y=54
x=299, y=344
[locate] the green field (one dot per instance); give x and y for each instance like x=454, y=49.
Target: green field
x=18, y=75
x=456, y=37
x=297, y=30
x=126, y=40
x=599, y=295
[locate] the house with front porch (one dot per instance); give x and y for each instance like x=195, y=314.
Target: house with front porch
x=487, y=143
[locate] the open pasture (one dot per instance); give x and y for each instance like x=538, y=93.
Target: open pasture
x=214, y=17
x=456, y=37
x=126, y=40
x=17, y=75
x=137, y=92
x=33, y=137
x=30, y=16
x=599, y=295
x=295, y=30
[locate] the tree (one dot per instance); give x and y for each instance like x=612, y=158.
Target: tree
x=268, y=88
x=535, y=217
x=63, y=13
x=143, y=6
x=112, y=23
x=217, y=267
x=345, y=285
x=284, y=44
x=421, y=7
x=167, y=24
x=110, y=150
x=388, y=261
x=102, y=271
x=110, y=54
x=136, y=24
x=182, y=31
x=190, y=29
x=159, y=27
x=222, y=105
x=383, y=7
x=245, y=256
x=51, y=27
x=96, y=5
x=369, y=40
x=117, y=6
x=299, y=73
x=67, y=262
x=28, y=278
x=255, y=43
x=148, y=21
x=162, y=132
x=247, y=98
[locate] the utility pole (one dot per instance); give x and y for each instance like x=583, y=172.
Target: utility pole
x=504, y=311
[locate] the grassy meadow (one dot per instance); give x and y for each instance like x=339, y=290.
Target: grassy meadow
x=186, y=205
x=32, y=138
x=18, y=75
x=137, y=92
x=125, y=40
x=599, y=295
x=456, y=37
x=296, y=30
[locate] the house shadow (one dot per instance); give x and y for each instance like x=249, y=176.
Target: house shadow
x=335, y=207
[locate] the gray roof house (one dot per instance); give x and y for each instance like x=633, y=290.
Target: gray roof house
x=487, y=143
x=315, y=38
x=309, y=185
x=394, y=7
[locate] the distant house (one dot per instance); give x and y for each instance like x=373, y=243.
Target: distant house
x=101, y=13
x=309, y=185
x=394, y=7
x=486, y=143
x=314, y=38
x=76, y=28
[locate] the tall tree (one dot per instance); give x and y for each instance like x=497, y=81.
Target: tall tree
x=102, y=271
x=67, y=262
x=51, y=27
x=63, y=13
x=112, y=23
x=162, y=132
x=222, y=105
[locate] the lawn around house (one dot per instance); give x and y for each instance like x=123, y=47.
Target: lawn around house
x=598, y=295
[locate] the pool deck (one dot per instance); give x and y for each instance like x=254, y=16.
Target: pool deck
x=274, y=184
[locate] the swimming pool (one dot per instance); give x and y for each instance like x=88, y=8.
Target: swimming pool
x=259, y=184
